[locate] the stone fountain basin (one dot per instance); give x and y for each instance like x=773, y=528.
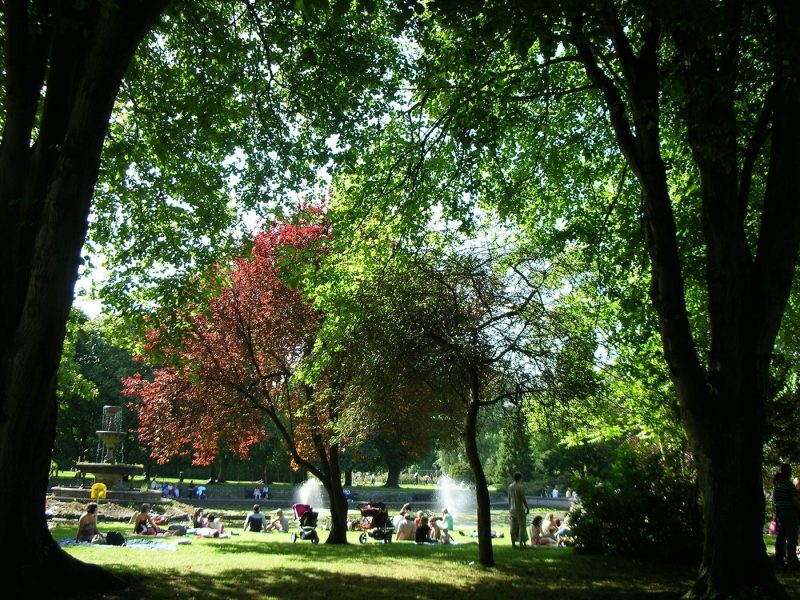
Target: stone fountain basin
x=116, y=468
x=109, y=474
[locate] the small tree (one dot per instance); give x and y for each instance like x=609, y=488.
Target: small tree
x=514, y=452
x=240, y=363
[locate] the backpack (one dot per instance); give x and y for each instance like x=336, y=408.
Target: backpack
x=115, y=538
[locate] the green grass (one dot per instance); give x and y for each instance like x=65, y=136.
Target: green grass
x=260, y=566
x=256, y=566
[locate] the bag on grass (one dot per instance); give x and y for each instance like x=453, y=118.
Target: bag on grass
x=115, y=538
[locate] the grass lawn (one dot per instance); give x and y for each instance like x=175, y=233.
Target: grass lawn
x=255, y=566
x=259, y=566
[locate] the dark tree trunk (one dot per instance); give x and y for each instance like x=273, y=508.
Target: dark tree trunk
x=45, y=194
x=348, y=478
x=723, y=396
x=485, y=550
x=333, y=485
x=338, y=533
x=729, y=467
x=393, y=476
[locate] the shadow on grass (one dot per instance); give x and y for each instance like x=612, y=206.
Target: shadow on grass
x=376, y=571
x=310, y=572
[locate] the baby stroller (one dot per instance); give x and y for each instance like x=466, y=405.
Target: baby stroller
x=306, y=520
x=375, y=523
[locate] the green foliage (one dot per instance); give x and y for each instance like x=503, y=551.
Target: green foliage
x=645, y=508
x=88, y=379
x=514, y=452
x=230, y=111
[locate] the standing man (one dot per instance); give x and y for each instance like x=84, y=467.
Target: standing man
x=787, y=515
x=518, y=512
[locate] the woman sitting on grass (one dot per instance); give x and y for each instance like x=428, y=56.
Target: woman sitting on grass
x=278, y=522
x=538, y=538
x=143, y=523
x=87, y=526
x=199, y=519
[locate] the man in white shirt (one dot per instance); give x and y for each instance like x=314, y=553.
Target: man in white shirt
x=406, y=530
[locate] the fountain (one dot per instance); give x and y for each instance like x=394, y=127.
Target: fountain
x=107, y=470
x=458, y=498
x=311, y=493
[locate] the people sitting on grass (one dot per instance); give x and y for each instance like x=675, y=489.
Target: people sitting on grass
x=278, y=522
x=538, y=537
x=564, y=535
x=87, y=526
x=199, y=519
x=436, y=528
x=423, y=533
x=406, y=530
x=255, y=521
x=446, y=538
x=214, y=528
x=143, y=523
x=549, y=525
x=398, y=519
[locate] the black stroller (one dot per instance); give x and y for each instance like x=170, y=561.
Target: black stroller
x=306, y=520
x=375, y=523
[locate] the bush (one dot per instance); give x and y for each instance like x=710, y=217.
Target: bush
x=642, y=510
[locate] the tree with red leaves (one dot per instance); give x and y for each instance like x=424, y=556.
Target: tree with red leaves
x=240, y=363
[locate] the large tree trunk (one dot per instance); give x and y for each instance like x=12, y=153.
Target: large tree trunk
x=45, y=194
x=393, y=476
x=485, y=550
x=723, y=395
x=729, y=466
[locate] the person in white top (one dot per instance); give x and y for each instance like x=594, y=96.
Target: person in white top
x=555, y=492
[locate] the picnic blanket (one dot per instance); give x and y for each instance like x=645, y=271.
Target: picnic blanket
x=141, y=543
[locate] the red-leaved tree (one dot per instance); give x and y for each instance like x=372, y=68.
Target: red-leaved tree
x=238, y=364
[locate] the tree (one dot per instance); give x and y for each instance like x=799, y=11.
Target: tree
x=63, y=64
x=569, y=90
x=241, y=361
x=77, y=395
x=470, y=326
x=514, y=452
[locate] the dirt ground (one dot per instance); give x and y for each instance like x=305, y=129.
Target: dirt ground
x=109, y=511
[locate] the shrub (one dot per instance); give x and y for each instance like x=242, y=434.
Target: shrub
x=642, y=509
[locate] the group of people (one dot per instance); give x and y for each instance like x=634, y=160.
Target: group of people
x=543, y=531
x=422, y=528
x=261, y=492
x=207, y=525
x=786, y=499
x=256, y=521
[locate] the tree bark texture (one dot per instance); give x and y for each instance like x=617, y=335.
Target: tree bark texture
x=46, y=186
